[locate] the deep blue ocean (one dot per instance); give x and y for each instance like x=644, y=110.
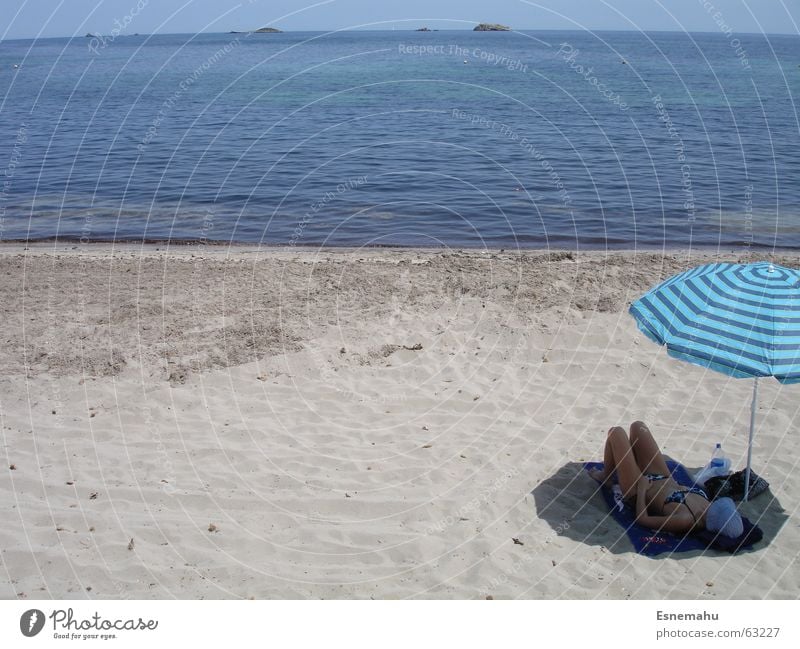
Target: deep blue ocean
x=456, y=138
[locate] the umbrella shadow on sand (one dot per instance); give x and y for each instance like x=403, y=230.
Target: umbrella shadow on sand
x=570, y=502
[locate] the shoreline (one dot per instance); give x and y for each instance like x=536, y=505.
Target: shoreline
x=63, y=245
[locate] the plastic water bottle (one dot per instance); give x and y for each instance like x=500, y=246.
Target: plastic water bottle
x=718, y=465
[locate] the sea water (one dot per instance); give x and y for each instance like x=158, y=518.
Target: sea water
x=447, y=138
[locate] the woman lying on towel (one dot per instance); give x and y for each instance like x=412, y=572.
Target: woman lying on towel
x=659, y=501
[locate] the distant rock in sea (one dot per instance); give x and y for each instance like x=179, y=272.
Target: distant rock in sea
x=491, y=27
x=90, y=35
x=263, y=30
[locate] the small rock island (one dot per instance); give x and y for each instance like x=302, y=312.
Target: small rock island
x=491, y=27
x=263, y=30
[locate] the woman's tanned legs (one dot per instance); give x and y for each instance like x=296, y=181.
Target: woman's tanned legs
x=645, y=449
x=619, y=456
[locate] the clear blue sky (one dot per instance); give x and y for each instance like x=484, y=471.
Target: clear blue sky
x=43, y=18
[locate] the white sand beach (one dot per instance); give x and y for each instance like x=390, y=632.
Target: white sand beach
x=215, y=422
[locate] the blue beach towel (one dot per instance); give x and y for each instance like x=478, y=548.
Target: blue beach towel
x=651, y=543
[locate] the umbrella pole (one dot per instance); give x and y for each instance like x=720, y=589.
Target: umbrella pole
x=750, y=440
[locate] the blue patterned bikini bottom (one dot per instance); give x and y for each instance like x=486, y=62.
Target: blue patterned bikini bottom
x=678, y=496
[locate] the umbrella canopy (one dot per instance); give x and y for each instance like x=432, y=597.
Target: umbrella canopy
x=740, y=319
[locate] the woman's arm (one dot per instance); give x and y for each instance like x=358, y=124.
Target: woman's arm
x=675, y=522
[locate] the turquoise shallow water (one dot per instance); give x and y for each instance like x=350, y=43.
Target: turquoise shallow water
x=533, y=139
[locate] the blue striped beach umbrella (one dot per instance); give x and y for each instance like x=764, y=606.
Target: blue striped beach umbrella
x=739, y=319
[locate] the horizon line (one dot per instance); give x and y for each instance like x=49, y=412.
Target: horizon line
x=410, y=29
